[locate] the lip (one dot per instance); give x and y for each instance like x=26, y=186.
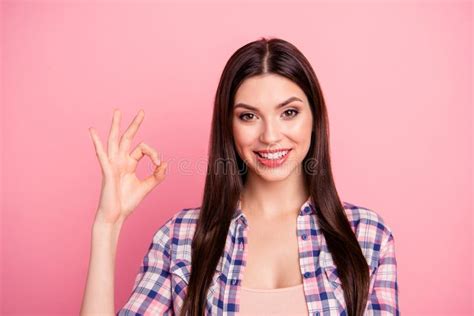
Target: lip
x=271, y=150
x=272, y=163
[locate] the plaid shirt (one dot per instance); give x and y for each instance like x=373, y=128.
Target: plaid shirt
x=160, y=285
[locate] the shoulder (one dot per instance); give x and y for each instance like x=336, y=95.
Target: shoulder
x=362, y=217
x=184, y=218
x=176, y=233
x=371, y=230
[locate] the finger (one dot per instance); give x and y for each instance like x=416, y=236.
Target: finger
x=99, y=149
x=157, y=177
x=114, y=134
x=132, y=129
x=143, y=149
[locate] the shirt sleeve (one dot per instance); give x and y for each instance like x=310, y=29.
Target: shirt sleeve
x=152, y=293
x=383, y=300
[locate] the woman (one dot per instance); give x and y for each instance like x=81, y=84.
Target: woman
x=271, y=235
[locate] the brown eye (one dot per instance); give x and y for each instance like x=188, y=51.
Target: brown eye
x=292, y=112
x=243, y=116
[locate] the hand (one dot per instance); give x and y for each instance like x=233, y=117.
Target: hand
x=121, y=189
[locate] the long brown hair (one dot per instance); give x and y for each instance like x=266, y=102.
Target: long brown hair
x=226, y=175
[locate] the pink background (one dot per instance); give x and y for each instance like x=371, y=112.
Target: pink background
x=397, y=78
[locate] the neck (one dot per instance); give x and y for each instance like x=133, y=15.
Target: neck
x=271, y=200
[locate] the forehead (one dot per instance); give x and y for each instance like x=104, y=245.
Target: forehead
x=267, y=90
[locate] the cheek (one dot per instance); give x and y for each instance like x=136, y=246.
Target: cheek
x=242, y=142
x=301, y=130
x=243, y=137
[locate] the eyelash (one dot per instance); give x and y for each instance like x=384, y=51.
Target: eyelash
x=245, y=114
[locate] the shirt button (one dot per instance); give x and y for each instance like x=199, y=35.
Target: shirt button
x=241, y=246
x=307, y=274
x=303, y=236
x=234, y=281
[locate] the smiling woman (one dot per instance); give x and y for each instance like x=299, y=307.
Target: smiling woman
x=271, y=227
x=272, y=136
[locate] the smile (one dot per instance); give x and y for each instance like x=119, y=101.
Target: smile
x=272, y=159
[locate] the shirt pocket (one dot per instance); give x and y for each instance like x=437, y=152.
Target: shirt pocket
x=181, y=272
x=332, y=276
x=182, y=269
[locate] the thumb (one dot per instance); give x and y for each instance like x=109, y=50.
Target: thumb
x=158, y=175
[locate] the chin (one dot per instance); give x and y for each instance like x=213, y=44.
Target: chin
x=273, y=174
x=275, y=178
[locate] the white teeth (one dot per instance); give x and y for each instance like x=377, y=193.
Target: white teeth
x=274, y=156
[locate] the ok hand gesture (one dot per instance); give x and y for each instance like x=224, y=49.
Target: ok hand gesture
x=121, y=189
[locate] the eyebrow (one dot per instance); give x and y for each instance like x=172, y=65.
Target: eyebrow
x=243, y=105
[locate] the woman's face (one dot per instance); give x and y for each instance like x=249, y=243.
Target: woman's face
x=271, y=113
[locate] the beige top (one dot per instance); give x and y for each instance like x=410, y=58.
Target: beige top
x=282, y=301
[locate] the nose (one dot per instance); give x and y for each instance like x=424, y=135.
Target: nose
x=271, y=132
